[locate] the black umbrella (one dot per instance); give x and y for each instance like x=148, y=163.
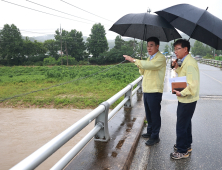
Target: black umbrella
x=145, y=25
x=199, y=24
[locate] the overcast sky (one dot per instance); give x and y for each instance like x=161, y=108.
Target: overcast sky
x=29, y=20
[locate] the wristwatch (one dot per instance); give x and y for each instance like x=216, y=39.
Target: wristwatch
x=134, y=60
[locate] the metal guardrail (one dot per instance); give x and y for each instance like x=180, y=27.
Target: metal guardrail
x=216, y=63
x=100, y=132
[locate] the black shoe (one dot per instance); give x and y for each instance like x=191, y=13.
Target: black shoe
x=145, y=135
x=152, y=141
x=189, y=150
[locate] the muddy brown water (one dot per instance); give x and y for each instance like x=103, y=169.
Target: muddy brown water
x=23, y=131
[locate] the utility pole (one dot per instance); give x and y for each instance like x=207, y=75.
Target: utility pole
x=61, y=42
x=214, y=54
x=148, y=10
x=66, y=52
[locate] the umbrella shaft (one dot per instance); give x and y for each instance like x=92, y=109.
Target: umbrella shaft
x=144, y=36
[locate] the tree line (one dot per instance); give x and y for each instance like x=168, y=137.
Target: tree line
x=204, y=50
x=68, y=48
x=198, y=48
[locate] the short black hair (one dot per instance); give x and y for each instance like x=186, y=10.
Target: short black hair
x=183, y=43
x=154, y=39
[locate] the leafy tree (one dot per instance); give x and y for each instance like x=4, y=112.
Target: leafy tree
x=97, y=42
x=39, y=48
x=171, y=47
x=52, y=48
x=198, y=49
x=76, y=45
x=118, y=42
x=49, y=61
x=115, y=55
x=72, y=43
x=144, y=51
x=11, y=44
x=208, y=51
x=28, y=47
x=218, y=52
x=71, y=60
x=167, y=49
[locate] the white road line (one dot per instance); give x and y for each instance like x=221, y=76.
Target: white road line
x=212, y=78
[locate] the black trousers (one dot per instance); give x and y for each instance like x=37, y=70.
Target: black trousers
x=152, y=107
x=184, y=127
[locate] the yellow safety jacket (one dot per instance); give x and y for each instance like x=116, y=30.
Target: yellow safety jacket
x=190, y=69
x=153, y=72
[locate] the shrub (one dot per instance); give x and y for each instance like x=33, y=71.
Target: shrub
x=38, y=63
x=82, y=62
x=49, y=61
x=71, y=60
x=218, y=58
x=208, y=56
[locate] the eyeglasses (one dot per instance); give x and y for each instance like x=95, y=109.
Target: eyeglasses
x=177, y=49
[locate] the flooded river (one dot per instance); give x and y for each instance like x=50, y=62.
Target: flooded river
x=23, y=131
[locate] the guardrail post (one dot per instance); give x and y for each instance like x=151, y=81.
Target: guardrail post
x=128, y=104
x=102, y=119
x=140, y=84
x=139, y=91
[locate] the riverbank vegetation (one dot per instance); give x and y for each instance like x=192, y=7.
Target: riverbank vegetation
x=82, y=86
x=66, y=48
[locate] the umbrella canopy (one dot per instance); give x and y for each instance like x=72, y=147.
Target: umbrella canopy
x=145, y=25
x=199, y=24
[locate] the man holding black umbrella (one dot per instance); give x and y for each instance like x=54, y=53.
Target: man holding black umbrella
x=153, y=70
x=187, y=99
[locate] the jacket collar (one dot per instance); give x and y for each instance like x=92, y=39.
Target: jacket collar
x=157, y=53
x=185, y=60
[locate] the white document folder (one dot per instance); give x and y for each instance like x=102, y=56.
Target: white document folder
x=177, y=79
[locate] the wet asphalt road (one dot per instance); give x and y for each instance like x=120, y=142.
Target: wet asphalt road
x=206, y=124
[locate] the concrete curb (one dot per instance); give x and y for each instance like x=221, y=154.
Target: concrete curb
x=133, y=148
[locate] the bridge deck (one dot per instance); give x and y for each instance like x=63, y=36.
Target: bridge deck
x=124, y=128
x=206, y=124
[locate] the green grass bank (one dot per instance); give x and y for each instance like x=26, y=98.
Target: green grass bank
x=79, y=92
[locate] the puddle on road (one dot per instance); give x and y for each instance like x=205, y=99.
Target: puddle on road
x=120, y=144
x=134, y=119
x=114, y=154
x=128, y=130
x=23, y=131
